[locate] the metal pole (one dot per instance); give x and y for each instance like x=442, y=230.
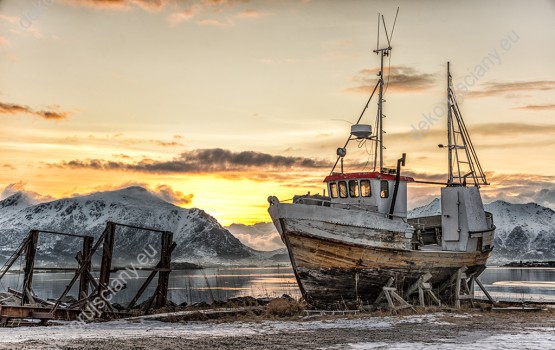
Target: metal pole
x=449, y=122
x=380, y=103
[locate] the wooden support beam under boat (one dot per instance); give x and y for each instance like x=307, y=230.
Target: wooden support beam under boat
x=423, y=288
x=390, y=294
x=493, y=302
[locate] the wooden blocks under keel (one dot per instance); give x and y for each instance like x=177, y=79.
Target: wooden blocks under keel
x=461, y=285
x=390, y=293
x=424, y=288
x=464, y=287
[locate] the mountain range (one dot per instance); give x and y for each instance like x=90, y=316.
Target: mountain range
x=200, y=238
x=524, y=231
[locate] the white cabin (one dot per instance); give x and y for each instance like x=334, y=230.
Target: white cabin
x=369, y=190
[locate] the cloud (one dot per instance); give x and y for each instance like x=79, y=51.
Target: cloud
x=260, y=236
x=147, y=5
x=201, y=161
x=33, y=197
x=489, y=129
x=184, y=15
x=512, y=129
x=162, y=191
x=10, y=108
x=3, y=41
x=167, y=143
x=512, y=188
x=170, y=195
x=100, y=4
x=178, y=13
x=508, y=89
x=215, y=22
x=399, y=78
x=9, y=19
x=251, y=14
x=538, y=107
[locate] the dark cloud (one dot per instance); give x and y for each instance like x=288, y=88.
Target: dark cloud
x=400, y=78
x=538, y=107
x=508, y=89
x=168, y=143
x=201, y=161
x=11, y=108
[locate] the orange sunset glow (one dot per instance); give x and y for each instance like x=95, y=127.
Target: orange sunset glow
x=219, y=104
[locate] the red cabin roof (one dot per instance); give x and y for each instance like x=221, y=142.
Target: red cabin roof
x=367, y=175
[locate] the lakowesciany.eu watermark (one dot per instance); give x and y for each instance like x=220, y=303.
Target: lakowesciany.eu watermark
x=94, y=308
x=473, y=76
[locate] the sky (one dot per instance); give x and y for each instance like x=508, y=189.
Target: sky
x=218, y=104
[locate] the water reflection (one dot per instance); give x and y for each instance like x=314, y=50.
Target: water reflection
x=520, y=284
x=184, y=286
x=537, y=284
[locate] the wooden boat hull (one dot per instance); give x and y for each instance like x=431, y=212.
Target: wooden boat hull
x=334, y=274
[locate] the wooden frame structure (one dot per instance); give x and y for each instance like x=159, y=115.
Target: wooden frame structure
x=98, y=288
x=29, y=248
x=101, y=287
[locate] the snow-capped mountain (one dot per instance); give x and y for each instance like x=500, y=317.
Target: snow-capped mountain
x=199, y=237
x=524, y=231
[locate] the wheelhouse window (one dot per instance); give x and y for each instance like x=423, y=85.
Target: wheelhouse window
x=384, y=190
x=333, y=189
x=365, y=189
x=353, y=188
x=342, y=189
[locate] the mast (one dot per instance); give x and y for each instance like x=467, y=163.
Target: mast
x=449, y=130
x=383, y=52
x=378, y=139
x=460, y=150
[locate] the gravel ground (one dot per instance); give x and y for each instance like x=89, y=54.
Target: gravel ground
x=486, y=330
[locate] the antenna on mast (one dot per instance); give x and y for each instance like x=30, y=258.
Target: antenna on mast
x=378, y=42
x=394, y=21
x=385, y=28
x=383, y=52
x=378, y=138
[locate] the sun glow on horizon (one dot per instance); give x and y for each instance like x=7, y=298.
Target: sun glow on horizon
x=221, y=104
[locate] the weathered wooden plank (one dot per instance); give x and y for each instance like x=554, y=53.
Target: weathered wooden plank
x=327, y=271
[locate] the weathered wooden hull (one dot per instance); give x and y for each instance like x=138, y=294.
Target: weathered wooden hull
x=334, y=274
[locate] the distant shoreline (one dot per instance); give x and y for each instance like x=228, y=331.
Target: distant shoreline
x=530, y=264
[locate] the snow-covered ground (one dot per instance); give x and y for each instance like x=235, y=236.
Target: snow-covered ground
x=433, y=331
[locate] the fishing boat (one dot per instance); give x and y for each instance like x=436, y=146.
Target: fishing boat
x=347, y=245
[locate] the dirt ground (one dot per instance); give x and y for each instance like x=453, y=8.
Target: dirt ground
x=487, y=329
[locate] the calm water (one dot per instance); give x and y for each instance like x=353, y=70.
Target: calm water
x=520, y=284
x=222, y=283
x=185, y=285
